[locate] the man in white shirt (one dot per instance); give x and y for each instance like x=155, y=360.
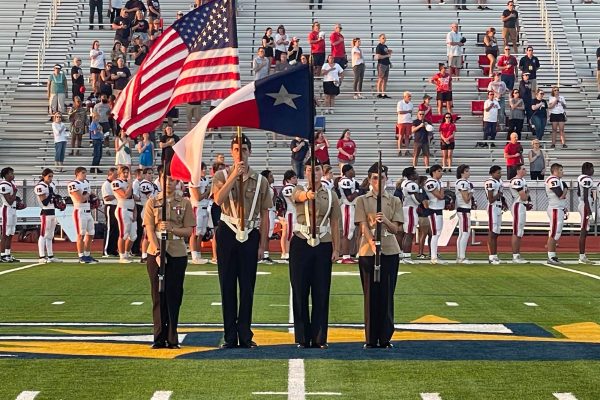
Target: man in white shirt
x=557, y=191
x=585, y=193
x=493, y=191
x=405, y=122
x=454, y=44
x=490, y=118
x=500, y=89
x=110, y=204
x=521, y=203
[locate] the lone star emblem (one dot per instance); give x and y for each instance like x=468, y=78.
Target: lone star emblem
x=283, y=97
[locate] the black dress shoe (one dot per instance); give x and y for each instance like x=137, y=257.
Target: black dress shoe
x=159, y=345
x=387, y=345
x=173, y=346
x=323, y=346
x=370, y=346
x=228, y=346
x=302, y=346
x=249, y=345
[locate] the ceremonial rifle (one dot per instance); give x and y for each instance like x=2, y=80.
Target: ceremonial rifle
x=377, y=271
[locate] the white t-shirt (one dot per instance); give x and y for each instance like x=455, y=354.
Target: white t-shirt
x=558, y=108
x=453, y=37
x=333, y=73
x=492, y=114
x=60, y=132
x=97, y=62
x=403, y=106
x=358, y=58
x=281, y=47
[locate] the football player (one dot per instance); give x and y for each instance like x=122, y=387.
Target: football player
x=199, y=197
x=8, y=206
x=147, y=191
x=557, y=191
x=411, y=194
x=348, y=188
x=45, y=191
x=435, y=203
x=585, y=194
x=290, y=180
x=80, y=193
x=125, y=213
x=493, y=191
x=464, y=202
x=521, y=203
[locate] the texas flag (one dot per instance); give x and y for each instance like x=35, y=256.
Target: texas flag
x=280, y=103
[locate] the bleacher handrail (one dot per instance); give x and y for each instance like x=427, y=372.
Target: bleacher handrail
x=549, y=38
x=46, y=35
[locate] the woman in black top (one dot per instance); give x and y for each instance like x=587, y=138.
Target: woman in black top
x=269, y=44
x=525, y=94
x=294, y=51
x=491, y=48
x=540, y=114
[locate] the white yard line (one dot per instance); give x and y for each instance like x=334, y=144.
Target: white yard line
x=573, y=271
x=296, y=389
x=528, y=304
x=58, y=303
x=8, y=271
x=564, y=396
x=451, y=304
x=27, y=395
x=431, y=396
x=137, y=303
x=162, y=395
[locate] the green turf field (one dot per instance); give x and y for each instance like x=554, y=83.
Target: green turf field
x=464, y=332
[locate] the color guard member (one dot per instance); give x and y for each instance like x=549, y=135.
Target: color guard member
x=45, y=191
x=80, y=193
x=238, y=250
x=521, y=203
x=379, y=296
x=493, y=191
x=311, y=259
x=179, y=224
x=557, y=191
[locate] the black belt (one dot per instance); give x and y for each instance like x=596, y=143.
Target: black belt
x=85, y=211
x=463, y=210
x=130, y=210
x=438, y=212
x=49, y=211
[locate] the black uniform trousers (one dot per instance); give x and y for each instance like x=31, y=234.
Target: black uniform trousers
x=237, y=264
x=379, y=298
x=310, y=275
x=166, y=305
x=95, y=5
x=136, y=246
x=111, y=235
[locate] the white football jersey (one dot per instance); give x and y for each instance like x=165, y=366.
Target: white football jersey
x=42, y=189
x=122, y=185
x=462, y=185
x=327, y=184
x=136, y=190
x=147, y=191
x=434, y=203
x=517, y=185
x=7, y=188
x=83, y=187
x=410, y=191
x=553, y=182
x=585, y=182
x=203, y=185
x=287, y=196
x=347, y=184
x=494, y=186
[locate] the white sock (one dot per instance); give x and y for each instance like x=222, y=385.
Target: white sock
x=516, y=256
x=144, y=255
x=266, y=254
x=49, y=250
x=491, y=257
x=86, y=253
x=551, y=254
x=433, y=246
x=407, y=255
x=463, y=240
x=8, y=252
x=41, y=246
x=581, y=256
x=122, y=255
x=80, y=255
x=346, y=256
x=196, y=255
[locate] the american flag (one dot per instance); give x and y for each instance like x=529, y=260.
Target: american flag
x=194, y=59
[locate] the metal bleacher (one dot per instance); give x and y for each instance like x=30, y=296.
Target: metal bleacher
x=415, y=34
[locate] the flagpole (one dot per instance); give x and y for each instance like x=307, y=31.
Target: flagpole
x=240, y=183
x=311, y=116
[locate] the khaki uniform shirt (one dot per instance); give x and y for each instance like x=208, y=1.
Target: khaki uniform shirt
x=322, y=201
x=179, y=213
x=263, y=202
x=366, y=207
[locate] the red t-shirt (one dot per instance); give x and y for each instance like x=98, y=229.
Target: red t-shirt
x=316, y=48
x=322, y=154
x=503, y=61
x=443, y=83
x=349, y=147
x=447, y=130
x=338, y=50
x=512, y=149
x=428, y=114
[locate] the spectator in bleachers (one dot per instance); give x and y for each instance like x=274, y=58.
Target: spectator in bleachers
x=106, y=82
x=154, y=32
x=404, y=109
x=454, y=44
x=79, y=122
x=268, y=43
x=283, y=63
x=294, y=51
x=338, y=48
x=490, y=118
x=499, y=88
x=332, y=77
x=513, y=154
x=426, y=108
x=140, y=26
x=120, y=75
x=281, y=43
x=507, y=65
x=510, y=29
x=491, y=48
x=346, y=148
x=77, y=81
x=525, y=93
x=114, y=7
x=382, y=55
x=57, y=89
x=114, y=125
x=103, y=110
x=179, y=15
x=530, y=64
x=537, y=161
x=598, y=70
x=97, y=138
x=482, y=5
x=193, y=110
x=299, y=148
x=318, y=2
x=447, y=132
x=140, y=50
x=133, y=6
x=421, y=144
x=316, y=38
x=557, y=106
x=304, y=59
x=145, y=149
x=97, y=61
x=516, y=114
x=167, y=141
x=460, y=4
x=539, y=118
x=122, y=27
x=358, y=67
x=322, y=148
x=122, y=149
x=60, y=133
x=118, y=51
x=153, y=10
x=260, y=64
x=96, y=6
x=443, y=85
